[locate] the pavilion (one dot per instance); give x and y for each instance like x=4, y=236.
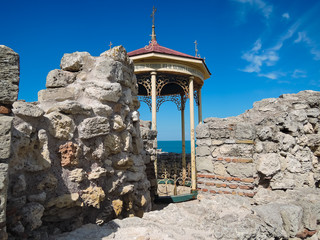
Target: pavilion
x=164, y=75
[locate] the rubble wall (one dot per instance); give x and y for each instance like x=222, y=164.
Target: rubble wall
x=78, y=155
x=274, y=145
x=9, y=85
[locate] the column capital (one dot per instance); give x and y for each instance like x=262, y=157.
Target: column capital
x=153, y=73
x=191, y=77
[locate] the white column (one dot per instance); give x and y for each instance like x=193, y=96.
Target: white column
x=192, y=137
x=199, y=107
x=183, y=136
x=154, y=99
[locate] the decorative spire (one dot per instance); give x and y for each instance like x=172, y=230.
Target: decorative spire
x=196, y=48
x=153, y=36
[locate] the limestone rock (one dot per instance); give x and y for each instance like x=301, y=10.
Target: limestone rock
x=219, y=169
x=64, y=201
x=93, y=196
x=97, y=173
x=122, y=162
x=244, y=131
x=31, y=215
x=5, y=136
x=59, y=78
x=104, y=91
x=57, y=94
x=27, y=109
x=113, y=143
x=127, y=189
x=73, y=62
x=71, y=107
x=203, y=151
x=118, y=53
x=20, y=185
x=106, y=69
x=268, y=164
x=77, y=175
x=3, y=191
x=49, y=183
x=93, y=127
x=40, y=198
x=117, y=206
x=60, y=126
x=118, y=124
x=135, y=116
x=241, y=170
x=9, y=75
x=205, y=164
x=69, y=154
x=202, y=131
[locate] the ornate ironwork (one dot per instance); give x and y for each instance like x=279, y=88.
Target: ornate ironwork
x=145, y=80
x=147, y=100
x=164, y=79
x=176, y=98
x=196, y=97
x=173, y=175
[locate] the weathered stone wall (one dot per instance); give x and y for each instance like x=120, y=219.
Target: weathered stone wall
x=274, y=145
x=9, y=82
x=78, y=155
x=149, y=138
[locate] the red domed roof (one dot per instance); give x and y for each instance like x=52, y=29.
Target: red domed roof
x=154, y=47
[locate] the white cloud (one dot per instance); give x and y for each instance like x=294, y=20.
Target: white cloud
x=272, y=75
x=260, y=5
x=297, y=73
x=314, y=50
x=286, y=15
x=257, y=57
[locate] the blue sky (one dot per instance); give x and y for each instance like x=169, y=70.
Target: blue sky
x=254, y=49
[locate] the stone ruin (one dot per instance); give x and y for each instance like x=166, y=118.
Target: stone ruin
x=81, y=155
x=275, y=145
x=76, y=155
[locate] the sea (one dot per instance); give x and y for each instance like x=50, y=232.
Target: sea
x=173, y=146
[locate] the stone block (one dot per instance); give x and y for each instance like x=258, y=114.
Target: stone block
x=268, y=164
x=5, y=136
x=93, y=127
x=74, y=62
x=32, y=214
x=93, y=196
x=203, y=151
x=9, y=75
x=59, y=78
x=245, y=131
x=104, y=91
x=60, y=126
x=205, y=164
x=22, y=109
x=241, y=170
x=69, y=154
x=56, y=94
x=202, y=131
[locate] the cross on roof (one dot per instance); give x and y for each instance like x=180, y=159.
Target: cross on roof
x=196, y=47
x=110, y=44
x=153, y=13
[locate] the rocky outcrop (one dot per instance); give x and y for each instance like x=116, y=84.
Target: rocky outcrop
x=274, y=145
x=9, y=85
x=279, y=215
x=78, y=154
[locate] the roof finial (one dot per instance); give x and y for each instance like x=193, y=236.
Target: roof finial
x=196, y=48
x=153, y=36
x=110, y=44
